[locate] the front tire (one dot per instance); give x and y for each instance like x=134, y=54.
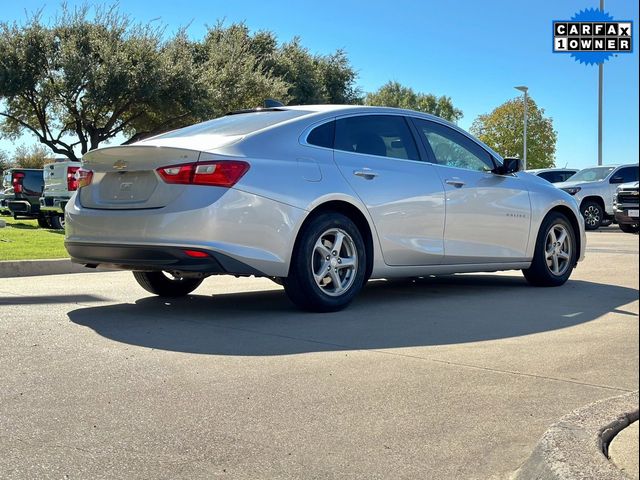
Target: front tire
x=57, y=222
x=555, y=253
x=629, y=228
x=328, y=265
x=43, y=222
x=593, y=214
x=165, y=285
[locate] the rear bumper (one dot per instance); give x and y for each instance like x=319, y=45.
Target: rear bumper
x=252, y=230
x=23, y=208
x=53, y=204
x=155, y=258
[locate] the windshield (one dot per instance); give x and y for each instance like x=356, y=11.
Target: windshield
x=591, y=174
x=236, y=124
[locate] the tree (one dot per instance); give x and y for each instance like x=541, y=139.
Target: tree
x=315, y=79
x=5, y=163
x=83, y=80
x=502, y=130
x=86, y=78
x=35, y=156
x=393, y=94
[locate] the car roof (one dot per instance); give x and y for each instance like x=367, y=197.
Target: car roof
x=554, y=169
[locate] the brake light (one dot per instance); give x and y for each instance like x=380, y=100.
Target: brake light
x=224, y=173
x=17, y=182
x=72, y=181
x=84, y=177
x=196, y=253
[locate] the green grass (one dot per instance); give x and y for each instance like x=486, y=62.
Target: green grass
x=24, y=240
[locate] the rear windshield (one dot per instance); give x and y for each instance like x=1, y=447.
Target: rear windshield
x=236, y=124
x=591, y=174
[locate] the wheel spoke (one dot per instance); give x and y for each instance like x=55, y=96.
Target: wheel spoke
x=563, y=255
x=552, y=235
x=347, y=263
x=555, y=268
x=337, y=243
x=322, y=273
x=321, y=249
x=335, y=279
x=563, y=237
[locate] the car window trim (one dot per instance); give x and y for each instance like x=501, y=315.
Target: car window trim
x=305, y=134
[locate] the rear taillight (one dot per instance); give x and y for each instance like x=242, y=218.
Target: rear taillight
x=224, y=173
x=72, y=181
x=83, y=177
x=18, y=177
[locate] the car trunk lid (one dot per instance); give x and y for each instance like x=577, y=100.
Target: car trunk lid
x=125, y=177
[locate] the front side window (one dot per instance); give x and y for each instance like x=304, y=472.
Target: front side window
x=381, y=135
x=453, y=149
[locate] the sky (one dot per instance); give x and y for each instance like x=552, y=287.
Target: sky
x=472, y=51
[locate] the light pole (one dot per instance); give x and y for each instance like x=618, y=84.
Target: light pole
x=524, y=153
x=600, y=75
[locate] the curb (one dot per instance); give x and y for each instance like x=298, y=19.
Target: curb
x=32, y=268
x=576, y=447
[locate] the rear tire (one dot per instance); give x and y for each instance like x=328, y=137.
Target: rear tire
x=57, y=222
x=555, y=252
x=593, y=214
x=328, y=265
x=160, y=284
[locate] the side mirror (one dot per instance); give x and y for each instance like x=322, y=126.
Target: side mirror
x=616, y=179
x=510, y=165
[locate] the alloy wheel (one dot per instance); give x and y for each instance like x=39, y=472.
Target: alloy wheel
x=334, y=262
x=558, y=250
x=592, y=216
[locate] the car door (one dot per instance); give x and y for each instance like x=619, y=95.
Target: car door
x=487, y=215
x=378, y=157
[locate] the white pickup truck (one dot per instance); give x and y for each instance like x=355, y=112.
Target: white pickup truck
x=59, y=184
x=594, y=189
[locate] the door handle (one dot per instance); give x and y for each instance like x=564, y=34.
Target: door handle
x=366, y=173
x=454, y=182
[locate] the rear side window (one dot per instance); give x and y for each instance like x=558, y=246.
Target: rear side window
x=549, y=176
x=381, y=135
x=323, y=135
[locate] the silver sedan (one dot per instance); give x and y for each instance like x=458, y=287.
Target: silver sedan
x=320, y=199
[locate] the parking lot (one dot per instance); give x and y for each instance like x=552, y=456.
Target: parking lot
x=450, y=377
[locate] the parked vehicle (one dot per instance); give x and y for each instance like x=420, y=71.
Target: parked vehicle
x=625, y=207
x=23, y=187
x=594, y=189
x=319, y=199
x=59, y=184
x=554, y=175
x=6, y=179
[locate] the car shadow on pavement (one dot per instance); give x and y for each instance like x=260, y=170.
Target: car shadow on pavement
x=48, y=299
x=434, y=311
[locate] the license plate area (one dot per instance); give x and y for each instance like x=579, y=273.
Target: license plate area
x=632, y=213
x=127, y=187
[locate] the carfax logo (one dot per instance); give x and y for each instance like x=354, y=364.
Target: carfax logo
x=592, y=36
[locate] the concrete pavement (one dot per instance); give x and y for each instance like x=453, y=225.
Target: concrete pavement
x=450, y=378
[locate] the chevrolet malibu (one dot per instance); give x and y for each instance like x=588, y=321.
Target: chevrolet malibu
x=319, y=199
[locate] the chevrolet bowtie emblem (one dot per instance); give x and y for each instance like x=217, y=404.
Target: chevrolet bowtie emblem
x=120, y=165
